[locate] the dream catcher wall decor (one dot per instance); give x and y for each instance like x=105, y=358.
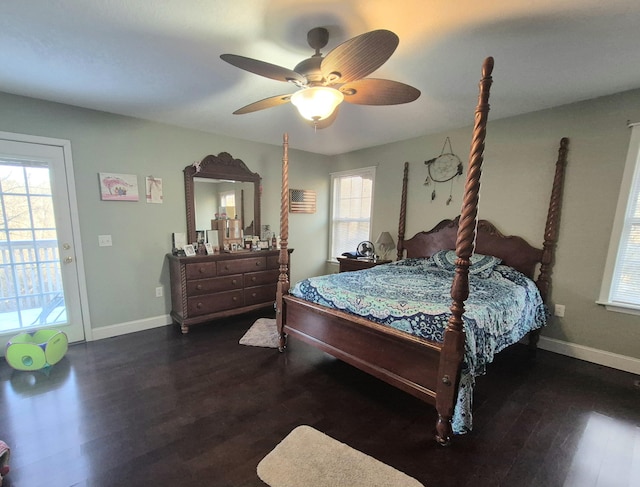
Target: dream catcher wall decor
x=442, y=169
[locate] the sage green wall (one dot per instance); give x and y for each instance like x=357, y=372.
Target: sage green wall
x=121, y=279
x=519, y=164
x=516, y=183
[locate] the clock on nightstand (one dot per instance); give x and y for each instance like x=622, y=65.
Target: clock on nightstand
x=347, y=264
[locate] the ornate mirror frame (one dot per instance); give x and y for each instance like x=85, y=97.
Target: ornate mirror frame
x=222, y=166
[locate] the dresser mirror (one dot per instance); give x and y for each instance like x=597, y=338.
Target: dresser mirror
x=217, y=180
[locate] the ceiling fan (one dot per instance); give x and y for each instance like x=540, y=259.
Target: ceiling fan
x=325, y=82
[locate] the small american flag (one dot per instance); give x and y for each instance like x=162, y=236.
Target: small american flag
x=302, y=201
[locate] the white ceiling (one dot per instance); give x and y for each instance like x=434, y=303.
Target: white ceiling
x=160, y=60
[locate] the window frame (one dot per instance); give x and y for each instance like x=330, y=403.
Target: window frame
x=629, y=188
x=369, y=171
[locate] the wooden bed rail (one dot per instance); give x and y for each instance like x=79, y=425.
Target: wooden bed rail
x=454, y=336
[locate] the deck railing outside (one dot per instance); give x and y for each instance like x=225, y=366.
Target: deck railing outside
x=31, y=290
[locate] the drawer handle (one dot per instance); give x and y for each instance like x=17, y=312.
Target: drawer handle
x=258, y=263
x=202, y=270
x=253, y=295
x=226, y=268
x=253, y=279
x=235, y=298
x=234, y=281
x=199, y=305
x=199, y=287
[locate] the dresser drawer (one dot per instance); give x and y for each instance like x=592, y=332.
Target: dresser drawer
x=260, y=294
x=197, y=287
x=259, y=278
x=200, y=270
x=212, y=303
x=241, y=265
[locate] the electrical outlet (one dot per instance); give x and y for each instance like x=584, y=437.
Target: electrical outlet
x=159, y=292
x=559, y=310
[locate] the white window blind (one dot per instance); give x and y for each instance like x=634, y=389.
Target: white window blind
x=352, y=203
x=621, y=283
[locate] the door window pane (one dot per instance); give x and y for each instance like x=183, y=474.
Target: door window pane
x=30, y=277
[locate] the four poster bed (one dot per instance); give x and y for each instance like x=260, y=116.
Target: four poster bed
x=430, y=352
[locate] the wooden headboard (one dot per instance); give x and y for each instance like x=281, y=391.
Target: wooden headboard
x=514, y=251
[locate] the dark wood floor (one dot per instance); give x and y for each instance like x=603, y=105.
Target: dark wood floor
x=156, y=408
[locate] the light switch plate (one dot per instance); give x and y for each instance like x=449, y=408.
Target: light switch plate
x=104, y=241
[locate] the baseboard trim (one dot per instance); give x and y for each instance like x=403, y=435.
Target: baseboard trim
x=593, y=355
x=130, y=327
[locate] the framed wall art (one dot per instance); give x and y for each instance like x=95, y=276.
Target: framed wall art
x=118, y=187
x=153, y=189
x=302, y=201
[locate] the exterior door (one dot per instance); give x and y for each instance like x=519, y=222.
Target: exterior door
x=41, y=272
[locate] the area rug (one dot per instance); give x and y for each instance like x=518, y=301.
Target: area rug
x=263, y=333
x=309, y=458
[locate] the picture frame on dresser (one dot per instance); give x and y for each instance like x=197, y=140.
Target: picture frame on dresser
x=179, y=240
x=189, y=250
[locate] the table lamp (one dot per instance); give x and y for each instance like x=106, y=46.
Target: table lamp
x=385, y=243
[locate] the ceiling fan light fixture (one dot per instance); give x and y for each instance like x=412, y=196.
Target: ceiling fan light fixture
x=317, y=102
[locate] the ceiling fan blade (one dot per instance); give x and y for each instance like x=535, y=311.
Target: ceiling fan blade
x=261, y=68
x=272, y=101
x=358, y=57
x=323, y=124
x=371, y=91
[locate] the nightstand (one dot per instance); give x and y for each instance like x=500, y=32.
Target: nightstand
x=347, y=264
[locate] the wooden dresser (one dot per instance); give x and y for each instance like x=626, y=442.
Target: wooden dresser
x=206, y=287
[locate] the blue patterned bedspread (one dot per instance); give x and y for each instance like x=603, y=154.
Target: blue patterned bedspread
x=414, y=295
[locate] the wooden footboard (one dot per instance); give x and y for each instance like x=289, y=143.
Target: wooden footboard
x=404, y=361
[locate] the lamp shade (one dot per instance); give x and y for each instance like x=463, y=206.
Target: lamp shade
x=316, y=103
x=385, y=243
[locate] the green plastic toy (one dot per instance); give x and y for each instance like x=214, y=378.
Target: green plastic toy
x=34, y=352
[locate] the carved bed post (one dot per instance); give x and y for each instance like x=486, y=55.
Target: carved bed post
x=454, y=337
x=403, y=211
x=283, y=259
x=551, y=231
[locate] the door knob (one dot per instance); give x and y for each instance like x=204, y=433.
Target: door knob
x=68, y=260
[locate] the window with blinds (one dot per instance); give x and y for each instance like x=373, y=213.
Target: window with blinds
x=351, y=207
x=621, y=283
